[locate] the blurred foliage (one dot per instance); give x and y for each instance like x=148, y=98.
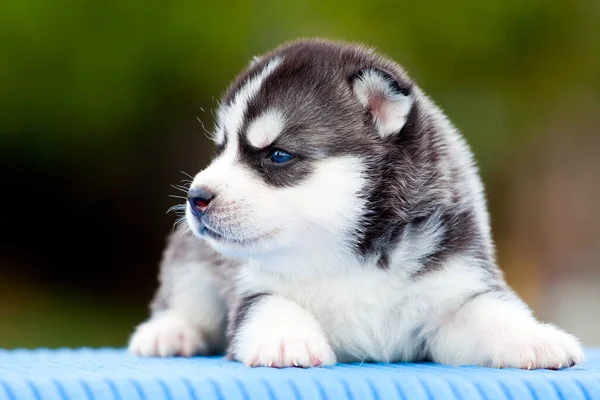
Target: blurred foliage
x=54, y=319
x=95, y=74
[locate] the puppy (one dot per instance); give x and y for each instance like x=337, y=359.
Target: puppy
x=342, y=219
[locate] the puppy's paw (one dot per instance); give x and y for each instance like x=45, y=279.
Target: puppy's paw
x=289, y=352
x=540, y=346
x=279, y=333
x=496, y=329
x=167, y=335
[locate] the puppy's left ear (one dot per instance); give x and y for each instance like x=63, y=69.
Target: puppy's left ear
x=386, y=100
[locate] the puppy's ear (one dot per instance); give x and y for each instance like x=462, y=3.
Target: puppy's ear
x=386, y=100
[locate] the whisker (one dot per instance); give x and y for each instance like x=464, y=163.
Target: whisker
x=188, y=175
x=178, y=222
x=178, y=197
x=175, y=208
x=208, y=135
x=181, y=188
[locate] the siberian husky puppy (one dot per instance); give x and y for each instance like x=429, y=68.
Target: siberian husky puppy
x=341, y=219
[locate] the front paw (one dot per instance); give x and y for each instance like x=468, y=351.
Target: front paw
x=541, y=346
x=165, y=336
x=496, y=329
x=288, y=352
x=279, y=333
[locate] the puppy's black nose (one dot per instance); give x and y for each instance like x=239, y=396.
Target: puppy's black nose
x=199, y=199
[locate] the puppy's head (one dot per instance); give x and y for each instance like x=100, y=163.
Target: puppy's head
x=317, y=153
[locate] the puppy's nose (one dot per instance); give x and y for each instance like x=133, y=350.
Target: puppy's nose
x=199, y=198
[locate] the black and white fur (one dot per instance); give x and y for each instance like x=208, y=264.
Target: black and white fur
x=372, y=244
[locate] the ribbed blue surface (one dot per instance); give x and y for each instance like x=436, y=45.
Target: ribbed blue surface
x=113, y=374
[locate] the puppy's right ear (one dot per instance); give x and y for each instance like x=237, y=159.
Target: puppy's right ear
x=387, y=101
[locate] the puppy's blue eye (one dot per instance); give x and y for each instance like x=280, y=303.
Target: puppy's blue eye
x=279, y=156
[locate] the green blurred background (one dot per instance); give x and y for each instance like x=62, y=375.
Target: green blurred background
x=99, y=103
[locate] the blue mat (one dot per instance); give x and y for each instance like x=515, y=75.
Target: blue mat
x=114, y=374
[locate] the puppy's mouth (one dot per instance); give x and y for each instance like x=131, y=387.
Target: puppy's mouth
x=214, y=234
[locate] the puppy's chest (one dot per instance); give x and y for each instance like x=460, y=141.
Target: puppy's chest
x=344, y=294
x=367, y=314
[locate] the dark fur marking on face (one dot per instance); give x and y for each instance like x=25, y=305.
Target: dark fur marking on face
x=289, y=174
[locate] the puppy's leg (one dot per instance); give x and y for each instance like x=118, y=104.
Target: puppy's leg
x=496, y=329
x=272, y=331
x=188, y=313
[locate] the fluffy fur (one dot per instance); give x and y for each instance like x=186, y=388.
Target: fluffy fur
x=371, y=244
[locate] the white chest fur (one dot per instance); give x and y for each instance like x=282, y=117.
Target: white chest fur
x=372, y=313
